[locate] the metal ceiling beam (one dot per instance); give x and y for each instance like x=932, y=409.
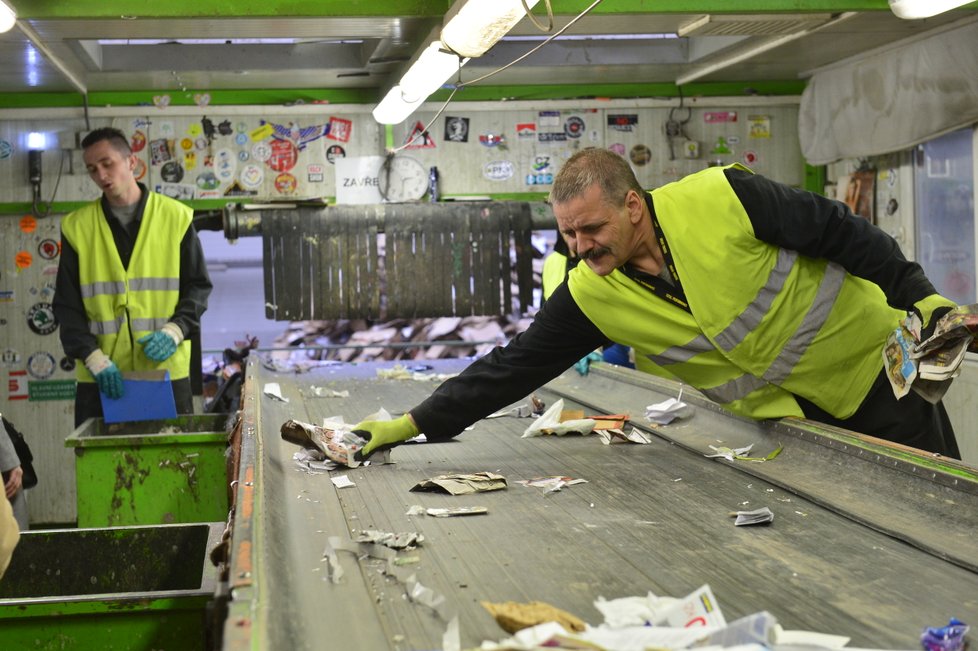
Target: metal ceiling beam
x=51, y=9
x=52, y=58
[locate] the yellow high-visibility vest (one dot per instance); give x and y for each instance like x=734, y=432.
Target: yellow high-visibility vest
x=121, y=304
x=767, y=323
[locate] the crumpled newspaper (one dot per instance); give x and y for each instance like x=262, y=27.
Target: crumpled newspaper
x=400, y=540
x=462, y=483
x=550, y=423
x=334, y=438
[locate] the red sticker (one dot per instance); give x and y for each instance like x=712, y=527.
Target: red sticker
x=284, y=156
x=23, y=259
x=28, y=224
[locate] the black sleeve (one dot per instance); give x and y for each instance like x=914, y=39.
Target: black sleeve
x=77, y=341
x=819, y=227
x=558, y=337
x=195, y=284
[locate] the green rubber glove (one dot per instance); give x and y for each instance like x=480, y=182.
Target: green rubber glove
x=384, y=434
x=584, y=364
x=930, y=310
x=106, y=374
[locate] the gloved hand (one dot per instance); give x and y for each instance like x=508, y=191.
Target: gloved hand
x=106, y=374
x=159, y=345
x=584, y=365
x=930, y=310
x=384, y=434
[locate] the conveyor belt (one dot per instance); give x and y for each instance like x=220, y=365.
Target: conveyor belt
x=651, y=518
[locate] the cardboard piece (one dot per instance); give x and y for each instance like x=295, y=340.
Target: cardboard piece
x=147, y=395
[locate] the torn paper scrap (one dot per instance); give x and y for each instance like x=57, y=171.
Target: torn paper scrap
x=399, y=372
x=757, y=516
x=550, y=423
x=634, y=435
x=457, y=511
x=633, y=611
x=667, y=411
x=519, y=411
x=551, y=484
x=402, y=540
x=741, y=454
x=698, y=608
x=513, y=616
x=460, y=484
x=323, y=392
x=313, y=461
x=273, y=390
x=342, y=481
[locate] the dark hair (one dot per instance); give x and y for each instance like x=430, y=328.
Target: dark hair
x=114, y=136
x=592, y=165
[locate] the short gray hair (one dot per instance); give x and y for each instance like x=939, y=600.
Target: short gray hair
x=592, y=165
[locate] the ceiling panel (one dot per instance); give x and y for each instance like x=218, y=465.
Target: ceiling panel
x=368, y=52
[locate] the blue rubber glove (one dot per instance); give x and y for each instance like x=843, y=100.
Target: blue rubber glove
x=930, y=310
x=584, y=365
x=160, y=345
x=383, y=434
x=106, y=373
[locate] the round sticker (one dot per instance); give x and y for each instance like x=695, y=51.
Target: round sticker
x=243, y=155
x=333, y=152
x=28, y=224
x=186, y=144
x=618, y=148
x=261, y=151
x=574, y=127
x=195, y=129
x=241, y=139
x=172, y=172
x=41, y=365
x=40, y=319
x=201, y=143
x=640, y=155
x=252, y=176
x=284, y=156
x=67, y=364
x=285, y=183
x=48, y=249
x=207, y=181
x=23, y=259
x=138, y=141
x=750, y=157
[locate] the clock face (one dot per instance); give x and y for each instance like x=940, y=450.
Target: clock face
x=402, y=178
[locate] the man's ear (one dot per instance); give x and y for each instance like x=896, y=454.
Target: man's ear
x=635, y=205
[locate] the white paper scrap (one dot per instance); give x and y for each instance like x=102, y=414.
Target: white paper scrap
x=550, y=421
x=667, y=411
x=342, y=481
x=273, y=390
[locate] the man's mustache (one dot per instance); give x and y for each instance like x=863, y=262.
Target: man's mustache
x=596, y=252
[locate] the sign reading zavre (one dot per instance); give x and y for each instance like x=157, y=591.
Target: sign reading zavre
x=357, y=179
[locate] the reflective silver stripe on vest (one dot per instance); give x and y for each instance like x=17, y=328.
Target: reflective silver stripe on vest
x=684, y=353
x=107, y=288
x=756, y=310
x=154, y=284
x=736, y=389
x=818, y=313
x=106, y=327
x=147, y=324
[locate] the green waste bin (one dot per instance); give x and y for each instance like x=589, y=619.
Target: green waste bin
x=120, y=589
x=151, y=472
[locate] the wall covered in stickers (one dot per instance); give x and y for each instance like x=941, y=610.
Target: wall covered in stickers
x=262, y=153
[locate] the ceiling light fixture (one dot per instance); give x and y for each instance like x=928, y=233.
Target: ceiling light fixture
x=478, y=24
x=7, y=17
x=471, y=27
x=914, y=9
